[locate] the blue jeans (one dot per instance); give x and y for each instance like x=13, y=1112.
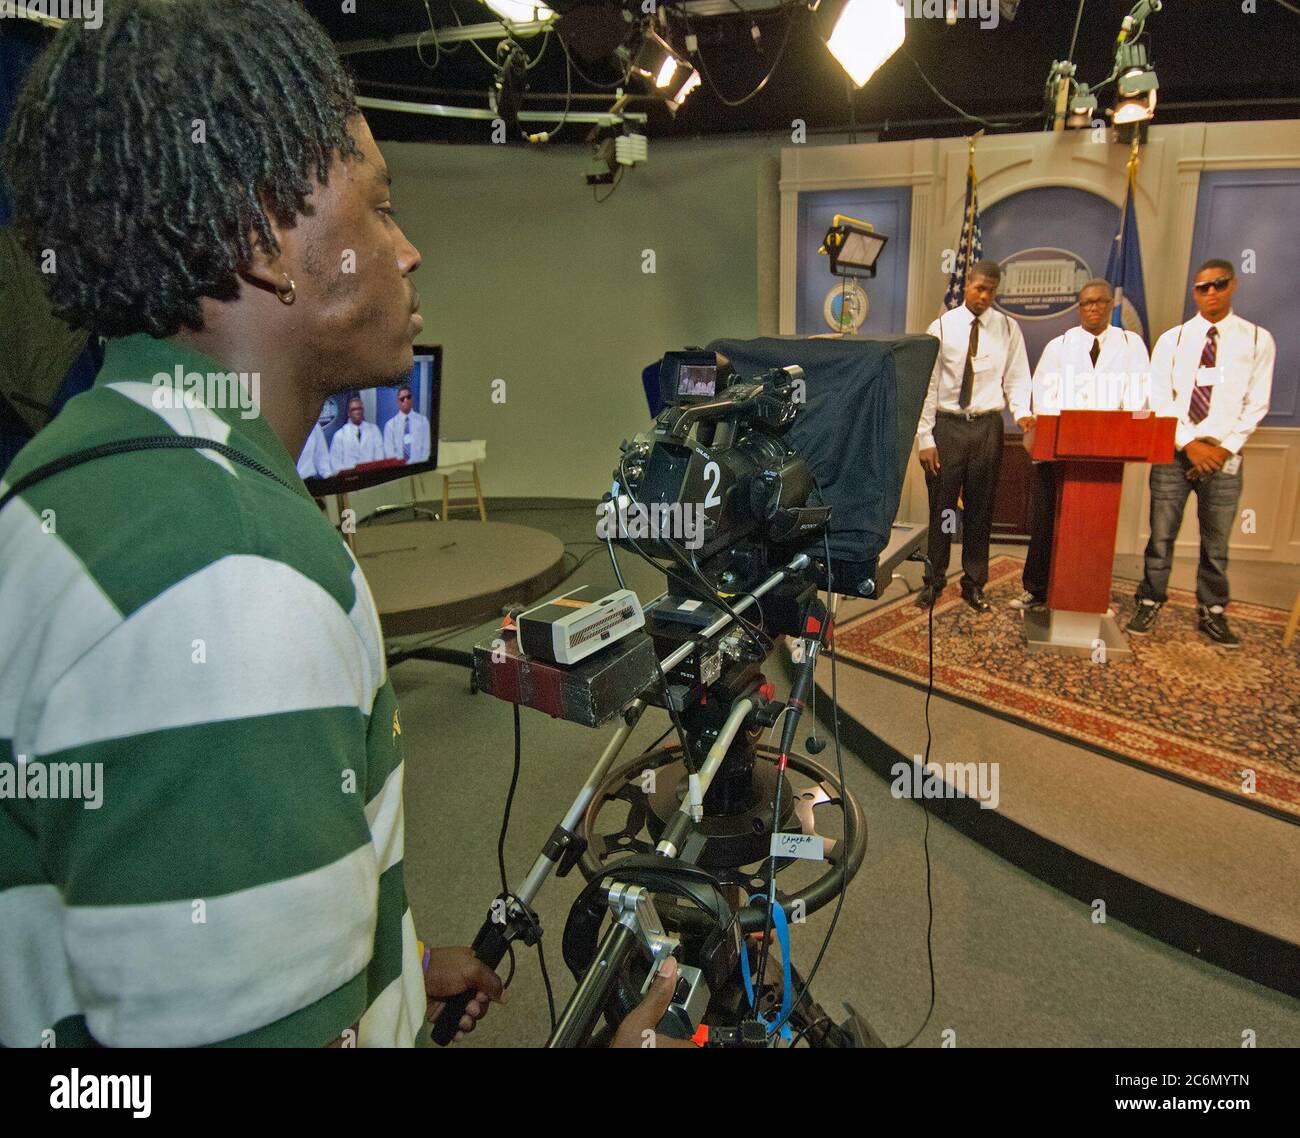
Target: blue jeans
x=1217, y=496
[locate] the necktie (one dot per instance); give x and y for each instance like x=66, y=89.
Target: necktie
x=406, y=437
x=1096, y=350
x=968, y=374
x=1200, y=405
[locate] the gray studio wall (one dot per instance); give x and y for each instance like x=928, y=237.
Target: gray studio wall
x=526, y=279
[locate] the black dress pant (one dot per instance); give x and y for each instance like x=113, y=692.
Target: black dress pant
x=970, y=456
x=1042, y=525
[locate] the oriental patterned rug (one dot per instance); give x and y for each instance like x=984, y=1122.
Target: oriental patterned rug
x=1180, y=706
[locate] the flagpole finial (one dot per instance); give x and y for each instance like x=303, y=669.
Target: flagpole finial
x=1134, y=157
x=974, y=138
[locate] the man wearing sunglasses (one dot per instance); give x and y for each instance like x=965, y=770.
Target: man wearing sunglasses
x=1217, y=372
x=406, y=434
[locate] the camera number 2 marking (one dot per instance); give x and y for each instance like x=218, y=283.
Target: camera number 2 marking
x=714, y=472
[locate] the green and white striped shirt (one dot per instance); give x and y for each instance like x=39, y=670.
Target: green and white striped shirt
x=201, y=636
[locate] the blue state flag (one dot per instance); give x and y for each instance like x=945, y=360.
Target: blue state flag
x=1124, y=271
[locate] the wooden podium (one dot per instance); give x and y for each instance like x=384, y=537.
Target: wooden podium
x=1090, y=449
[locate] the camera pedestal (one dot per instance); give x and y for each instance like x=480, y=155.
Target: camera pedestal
x=627, y=784
x=725, y=841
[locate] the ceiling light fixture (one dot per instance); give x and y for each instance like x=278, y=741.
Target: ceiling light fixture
x=519, y=11
x=670, y=72
x=1136, y=87
x=865, y=33
x=1083, y=109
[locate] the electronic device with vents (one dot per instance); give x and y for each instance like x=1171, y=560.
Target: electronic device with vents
x=578, y=624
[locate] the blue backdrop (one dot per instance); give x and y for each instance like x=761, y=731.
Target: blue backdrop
x=1258, y=210
x=889, y=209
x=1056, y=217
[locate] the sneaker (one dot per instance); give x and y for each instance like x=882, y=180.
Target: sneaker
x=1215, y=625
x=1145, y=617
x=927, y=596
x=1027, y=600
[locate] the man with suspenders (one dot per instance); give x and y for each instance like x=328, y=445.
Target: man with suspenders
x=1216, y=374
x=981, y=366
x=1094, y=366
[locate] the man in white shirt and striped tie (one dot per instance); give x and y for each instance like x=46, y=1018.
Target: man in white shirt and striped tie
x=1215, y=374
x=407, y=434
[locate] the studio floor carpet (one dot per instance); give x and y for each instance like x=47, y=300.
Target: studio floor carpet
x=1180, y=705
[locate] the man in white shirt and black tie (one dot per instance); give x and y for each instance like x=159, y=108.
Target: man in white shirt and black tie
x=981, y=366
x=406, y=434
x=1093, y=367
x=356, y=441
x=1216, y=374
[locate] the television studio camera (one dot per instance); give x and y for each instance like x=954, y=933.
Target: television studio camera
x=712, y=820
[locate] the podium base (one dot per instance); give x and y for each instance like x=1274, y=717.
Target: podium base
x=1074, y=633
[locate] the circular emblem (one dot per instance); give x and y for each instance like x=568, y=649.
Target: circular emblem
x=845, y=307
x=1040, y=283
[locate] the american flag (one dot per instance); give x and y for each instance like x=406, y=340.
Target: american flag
x=971, y=246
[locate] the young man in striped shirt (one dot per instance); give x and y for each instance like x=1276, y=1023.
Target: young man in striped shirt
x=193, y=660
x=183, y=623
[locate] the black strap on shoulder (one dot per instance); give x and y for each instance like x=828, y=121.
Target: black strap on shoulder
x=125, y=446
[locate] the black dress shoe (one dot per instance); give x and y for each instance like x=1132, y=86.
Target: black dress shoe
x=927, y=596
x=976, y=599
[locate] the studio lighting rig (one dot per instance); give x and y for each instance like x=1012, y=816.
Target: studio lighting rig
x=1072, y=105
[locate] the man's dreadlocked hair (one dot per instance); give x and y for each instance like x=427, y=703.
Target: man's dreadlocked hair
x=147, y=153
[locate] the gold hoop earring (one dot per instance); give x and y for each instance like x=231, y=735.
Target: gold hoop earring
x=287, y=296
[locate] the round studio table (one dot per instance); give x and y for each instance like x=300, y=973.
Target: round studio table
x=430, y=575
